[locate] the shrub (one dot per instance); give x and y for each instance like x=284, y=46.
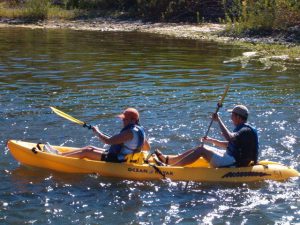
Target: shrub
x=266, y=16
x=37, y=9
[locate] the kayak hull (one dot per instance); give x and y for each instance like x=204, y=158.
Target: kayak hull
x=198, y=171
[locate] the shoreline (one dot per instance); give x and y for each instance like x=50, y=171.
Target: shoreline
x=209, y=31
x=192, y=31
x=274, y=48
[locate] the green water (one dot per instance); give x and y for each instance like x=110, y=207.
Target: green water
x=175, y=84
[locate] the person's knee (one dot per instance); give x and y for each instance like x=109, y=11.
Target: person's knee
x=200, y=149
x=206, y=153
x=198, y=152
x=86, y=154
x=87, y=149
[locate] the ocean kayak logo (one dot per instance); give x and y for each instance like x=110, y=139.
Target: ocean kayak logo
x=137, y=170
x=245, y=174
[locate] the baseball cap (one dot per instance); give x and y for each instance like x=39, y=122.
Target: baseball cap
x=240, y=110
x=130, y=113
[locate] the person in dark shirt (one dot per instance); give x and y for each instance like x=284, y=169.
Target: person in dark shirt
x=241, y=145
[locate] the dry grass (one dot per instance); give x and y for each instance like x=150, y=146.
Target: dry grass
x=36, y=11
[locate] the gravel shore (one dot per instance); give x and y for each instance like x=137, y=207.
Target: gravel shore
x=203, y=31
x=191, y=31
x=208, y=31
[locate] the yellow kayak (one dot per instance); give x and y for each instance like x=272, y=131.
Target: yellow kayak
x=137, y=169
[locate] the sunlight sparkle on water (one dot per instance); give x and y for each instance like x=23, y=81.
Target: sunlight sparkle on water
x=289, y=142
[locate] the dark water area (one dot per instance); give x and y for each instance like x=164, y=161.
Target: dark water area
x=175, y=84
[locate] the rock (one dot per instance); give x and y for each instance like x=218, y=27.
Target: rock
x=249, y=54
x=280, y=57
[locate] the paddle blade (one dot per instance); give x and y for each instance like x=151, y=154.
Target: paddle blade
x=66, y=116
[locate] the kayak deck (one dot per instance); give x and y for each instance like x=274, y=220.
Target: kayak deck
x=199, y=171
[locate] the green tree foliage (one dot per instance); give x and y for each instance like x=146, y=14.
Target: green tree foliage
x=156, y=10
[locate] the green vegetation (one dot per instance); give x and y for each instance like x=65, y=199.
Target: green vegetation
x=34, y=10
x=242, y=16
x=264, y=17
x=275, y=52
x=293, y=52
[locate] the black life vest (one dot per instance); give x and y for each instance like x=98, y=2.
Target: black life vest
x=246, y=153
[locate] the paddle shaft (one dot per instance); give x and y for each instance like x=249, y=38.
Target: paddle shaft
x=219, y=105
x=211, y=121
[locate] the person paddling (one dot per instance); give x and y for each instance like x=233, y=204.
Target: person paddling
x=131, y=139
x=241, y=145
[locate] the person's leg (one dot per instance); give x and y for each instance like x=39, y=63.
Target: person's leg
x=168, y=159
x=221, y=159
x=89, y=152
x=192, y=155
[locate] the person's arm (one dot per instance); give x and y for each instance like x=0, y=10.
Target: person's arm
x=146, y=146
x=116, y=139
x=226, y=133
x=218, y=143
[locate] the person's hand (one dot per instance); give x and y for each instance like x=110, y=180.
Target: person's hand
x=95, y=129
x=206, y=139
x=215, y=117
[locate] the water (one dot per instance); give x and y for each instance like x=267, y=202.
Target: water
x=175, y=84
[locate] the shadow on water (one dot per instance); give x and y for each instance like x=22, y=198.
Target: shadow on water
x=24, y=175
x=33, y=175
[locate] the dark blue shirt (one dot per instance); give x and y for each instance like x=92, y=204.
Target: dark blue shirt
x=244, y=145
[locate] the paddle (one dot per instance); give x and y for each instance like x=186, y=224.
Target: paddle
x=219, y=105
x=84, y=124
x=70, y=118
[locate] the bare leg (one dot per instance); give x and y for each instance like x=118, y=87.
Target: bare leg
x=170, y=159
x=192, y=155
x=186, y=158
x=89, y=152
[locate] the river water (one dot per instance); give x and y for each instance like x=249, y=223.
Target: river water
x=175, y=84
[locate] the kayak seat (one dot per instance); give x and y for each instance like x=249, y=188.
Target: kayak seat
x=137, y=158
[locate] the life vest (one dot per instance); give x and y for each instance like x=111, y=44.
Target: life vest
x=244, y=154
x=121, y=150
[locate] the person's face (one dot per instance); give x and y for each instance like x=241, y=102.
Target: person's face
x=236, y=120
x=125, y=121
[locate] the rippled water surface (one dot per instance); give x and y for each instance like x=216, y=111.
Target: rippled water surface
x=175, y=84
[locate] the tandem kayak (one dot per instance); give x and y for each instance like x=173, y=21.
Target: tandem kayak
x=28, y=154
